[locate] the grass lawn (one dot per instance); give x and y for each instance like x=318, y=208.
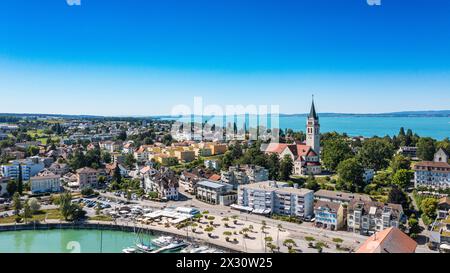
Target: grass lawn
x=34, y=133
x=39, y=216
x=43, y=140
x=101, y=218
x=213, y=157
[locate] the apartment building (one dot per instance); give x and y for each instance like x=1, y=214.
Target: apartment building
x=215, y=193
x=340, y=197
x=163, y=181
x=3, y=185
x=245, y=174
x=271, y=197
x=433, y=174
x=45, y=184
x=59, y=169
x=367, y=218
x=185, y=155
x=29, y=167
x=408, y=151
x=110, y=146
x=87, y=178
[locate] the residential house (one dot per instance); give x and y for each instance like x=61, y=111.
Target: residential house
x=329, y=215
x=271, y=197
x=59, y=168
x=110, y=169
x=128, y=148
x=163, y=181
x=443, y=207
x=440, y=233
x=141, y=154
x=117, y=158
x=212, y=164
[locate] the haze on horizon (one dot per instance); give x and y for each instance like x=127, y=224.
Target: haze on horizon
x=117, y=58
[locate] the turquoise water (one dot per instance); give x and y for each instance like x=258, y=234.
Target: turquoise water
x=67, y=241
x=435, y=127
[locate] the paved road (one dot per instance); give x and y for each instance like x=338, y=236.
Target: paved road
x=296, y=230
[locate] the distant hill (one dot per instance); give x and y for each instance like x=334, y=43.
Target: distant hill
x=436, y=113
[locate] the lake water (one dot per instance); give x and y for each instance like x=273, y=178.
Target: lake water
x=67, y=241
x=367, y=126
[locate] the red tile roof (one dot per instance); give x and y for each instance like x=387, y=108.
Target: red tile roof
x=215, y=177
x=391, y=240
x=298, y=150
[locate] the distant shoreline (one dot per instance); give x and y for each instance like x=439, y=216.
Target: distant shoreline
x=405, y=114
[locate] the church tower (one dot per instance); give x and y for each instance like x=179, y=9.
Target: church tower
x=313, y=130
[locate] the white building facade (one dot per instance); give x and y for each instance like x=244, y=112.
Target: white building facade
x=45, y=184
x=271, y=197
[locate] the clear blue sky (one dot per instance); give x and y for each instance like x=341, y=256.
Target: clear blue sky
x=140, y=57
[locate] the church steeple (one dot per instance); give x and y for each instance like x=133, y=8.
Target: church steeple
x=312, y=112
x=313, y=129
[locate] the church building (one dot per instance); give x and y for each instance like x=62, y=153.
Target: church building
x=305, y=155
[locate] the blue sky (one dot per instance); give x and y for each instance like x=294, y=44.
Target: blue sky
x=142, y=57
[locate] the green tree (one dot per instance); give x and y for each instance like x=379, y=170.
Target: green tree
x=227, y=160
x=34, y=205
x=400, y=162
x=397, y=196
x=129, y=160
x=17, y=204
x=87, y=191
x=444, y=144
x=429, y=207
x=351, y=175
x=11, y=187
x=311, y=183
x=426, y=148
x=65, y=205
x=78, y=160
x=27, y=213
x=414, y=227
x=273, y=165
x=32, y=150
x=20, y=180
x=286, y=168
x=375, y=153
x=402, y=178
x=117, y=176
x=106, y=157
x=335, y=150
